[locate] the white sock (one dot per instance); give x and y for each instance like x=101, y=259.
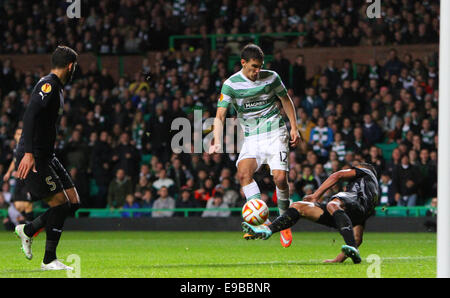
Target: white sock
x=251, y=191
x=283, y=200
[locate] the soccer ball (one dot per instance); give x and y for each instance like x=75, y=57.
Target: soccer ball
x=255, y=212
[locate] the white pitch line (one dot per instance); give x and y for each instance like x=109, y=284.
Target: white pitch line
x=299, y=262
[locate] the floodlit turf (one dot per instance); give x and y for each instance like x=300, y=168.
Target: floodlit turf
x=222, y=254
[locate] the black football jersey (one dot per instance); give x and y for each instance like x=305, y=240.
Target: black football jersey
x=365, y=184
x=41, y=117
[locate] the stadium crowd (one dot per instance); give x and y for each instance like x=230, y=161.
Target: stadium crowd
x=134, y=26
x=114, y=136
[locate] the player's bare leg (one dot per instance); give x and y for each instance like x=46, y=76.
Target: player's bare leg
x=282, y=189
x=26, y=209
x=245, y=170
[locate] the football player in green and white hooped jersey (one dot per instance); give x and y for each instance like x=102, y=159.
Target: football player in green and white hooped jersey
x=254, y=93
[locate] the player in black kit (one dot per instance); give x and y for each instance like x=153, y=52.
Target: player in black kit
x=346, y=211
x=44, y=176
x=20, y=198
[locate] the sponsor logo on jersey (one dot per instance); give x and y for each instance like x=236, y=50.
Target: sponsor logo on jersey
x=46, y=88
x=221, y=97
x=255, y=104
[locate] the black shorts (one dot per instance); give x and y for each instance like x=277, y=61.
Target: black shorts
x=353, y=205
x=51, y=178
x=20, y=192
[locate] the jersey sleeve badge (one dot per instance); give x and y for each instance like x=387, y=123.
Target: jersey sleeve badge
x=46, y=88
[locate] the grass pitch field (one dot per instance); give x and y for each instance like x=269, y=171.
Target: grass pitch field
x=221, y=254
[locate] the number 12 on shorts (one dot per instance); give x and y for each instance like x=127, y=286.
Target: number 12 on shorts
x=283, y=156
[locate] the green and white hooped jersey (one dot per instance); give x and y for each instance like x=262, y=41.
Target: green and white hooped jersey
x=254, y=102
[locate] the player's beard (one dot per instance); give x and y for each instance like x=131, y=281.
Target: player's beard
x=70, y=74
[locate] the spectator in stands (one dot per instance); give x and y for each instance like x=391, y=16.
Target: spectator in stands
x=371, y=131
x=319, y=174
x=281, y=66
x=312, y=101
x=376, y=159
x=307, y=178
x=299, y=76
x=164, y=201
x=118, y=189
x=216, y=202
x=387, y=195
x=304, y=124
x=405, y=183
x=393, y=65
x=177, y=174
x=205, y=193
x=142, y=187
x=185, y=201
x=230, y=196
x=130, y=203
x=359, y=144
x=427, y=133
x=101, y=168
x=428, y=177
x=321, y=138
x=163, y=181
x=146, y=201
x=430, y=223
x=76, y=151
x=126, y=156
x=338, y=146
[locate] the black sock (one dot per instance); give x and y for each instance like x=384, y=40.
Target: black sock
x=287, y=220
x=345, y=227
x=39, y=222
x=53, y=229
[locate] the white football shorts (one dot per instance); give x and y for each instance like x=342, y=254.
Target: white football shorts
x=269, y=148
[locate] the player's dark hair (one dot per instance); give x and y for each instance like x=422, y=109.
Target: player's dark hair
x=252, y=51
x=63, y=56
x=369, y=167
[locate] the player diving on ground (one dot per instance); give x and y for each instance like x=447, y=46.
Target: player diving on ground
x=346, y=211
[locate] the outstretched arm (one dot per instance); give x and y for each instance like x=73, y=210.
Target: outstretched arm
x=358, y=232
x=329, y=183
